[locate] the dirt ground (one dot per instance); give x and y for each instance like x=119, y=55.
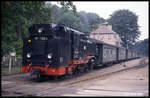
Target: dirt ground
x=123, y=81
x=132, y=82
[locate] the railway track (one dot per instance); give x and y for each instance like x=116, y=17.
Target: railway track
x=140, y=65
x=32, y=88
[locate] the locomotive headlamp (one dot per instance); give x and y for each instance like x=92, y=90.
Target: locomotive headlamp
x=49, y=55
x=29, y=41
x=40, y=30
x=28, y=55
x=84, y=47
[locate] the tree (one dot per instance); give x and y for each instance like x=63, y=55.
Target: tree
x=142, y=47
x=85, y=26
x=124, y=22
x=82, y=21
x=94, y=20
x=70, y=20
x=68, y=5
x=90, y=21
x=16, y=17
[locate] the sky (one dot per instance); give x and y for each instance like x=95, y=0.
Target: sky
x=105, y=9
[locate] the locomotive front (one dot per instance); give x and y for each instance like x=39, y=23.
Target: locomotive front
x=41, y=51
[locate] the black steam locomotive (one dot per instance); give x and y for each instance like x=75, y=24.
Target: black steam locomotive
x=57, y=50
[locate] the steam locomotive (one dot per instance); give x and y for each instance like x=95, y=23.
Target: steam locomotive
x=57, y=50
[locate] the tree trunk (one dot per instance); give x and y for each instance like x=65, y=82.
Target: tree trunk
x=19, y=33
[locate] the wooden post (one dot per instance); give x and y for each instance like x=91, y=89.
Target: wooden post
x=10, y=60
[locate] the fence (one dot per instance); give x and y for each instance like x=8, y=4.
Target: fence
x=11, y=65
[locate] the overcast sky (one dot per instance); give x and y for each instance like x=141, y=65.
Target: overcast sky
x=105, y=9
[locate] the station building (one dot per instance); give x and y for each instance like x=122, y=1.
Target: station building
x=106, y=34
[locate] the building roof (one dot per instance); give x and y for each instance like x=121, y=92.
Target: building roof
x=103, y=29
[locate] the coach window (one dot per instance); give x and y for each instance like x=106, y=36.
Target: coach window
x=111, y=51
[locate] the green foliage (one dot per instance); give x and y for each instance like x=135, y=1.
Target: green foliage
x=142, y=47
x=85, y=26
x=94, y=20
x=16, y=17
x=124, y=22
x=70, y=20
x=82, y=21
x=68, y=5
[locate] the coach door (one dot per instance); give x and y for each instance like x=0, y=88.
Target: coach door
x=99, y=53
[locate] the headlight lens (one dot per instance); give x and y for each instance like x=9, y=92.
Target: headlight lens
x=28, y=55
x=40, y=30
x=49, y=55
x=84, y=47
